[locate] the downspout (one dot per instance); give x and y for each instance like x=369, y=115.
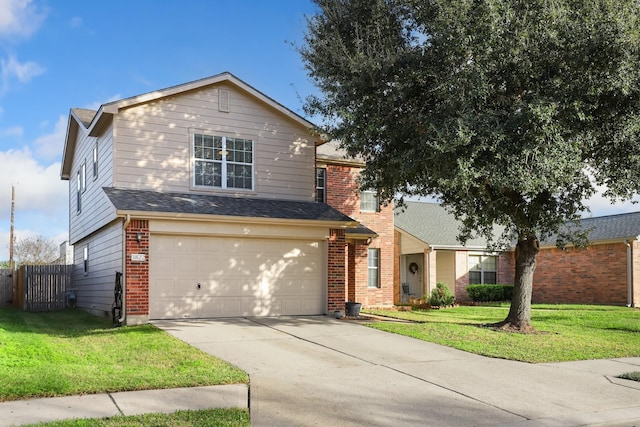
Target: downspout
x=629, y=274
x=124, y=269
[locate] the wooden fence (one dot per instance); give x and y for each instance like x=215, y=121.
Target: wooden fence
x=6, y=287
x=43, y=287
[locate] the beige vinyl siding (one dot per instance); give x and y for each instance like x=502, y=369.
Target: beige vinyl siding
x=411, y=245
x=96, y=287
x=446, y=269
x=153, y=144
x=96, y=208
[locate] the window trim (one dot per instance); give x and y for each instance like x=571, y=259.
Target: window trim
x=83, y=168
x=373, y=268
x=79, y=191
x=376, y=200
x=85, y=259
x=323, y=188
x=224, y=162
x=95, y=161
x=482, y=271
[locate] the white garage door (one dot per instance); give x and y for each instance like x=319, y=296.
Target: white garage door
x=228, y=277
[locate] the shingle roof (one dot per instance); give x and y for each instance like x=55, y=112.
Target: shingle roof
x=85, y=115
x=331, y=151
x=203, y=204
x=432, y=224
x=610, y=227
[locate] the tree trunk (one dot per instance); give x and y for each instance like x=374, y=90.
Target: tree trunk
x=519, y=317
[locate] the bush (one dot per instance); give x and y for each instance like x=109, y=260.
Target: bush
x=486, y=293
x=441, y=295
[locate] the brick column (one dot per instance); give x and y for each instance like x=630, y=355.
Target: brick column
x=351, y=272
x=137, y=272
x=336, y=271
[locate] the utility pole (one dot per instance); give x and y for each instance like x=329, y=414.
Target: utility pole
x=13, y=204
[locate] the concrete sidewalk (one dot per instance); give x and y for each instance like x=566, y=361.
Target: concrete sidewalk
x=309, y=371
x=33, y=411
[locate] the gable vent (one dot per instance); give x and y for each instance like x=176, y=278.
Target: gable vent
x=223, y=101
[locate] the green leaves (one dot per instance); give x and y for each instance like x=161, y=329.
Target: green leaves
x=498, y=107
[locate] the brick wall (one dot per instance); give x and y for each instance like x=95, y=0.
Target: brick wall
x=343, y=194
x=137, y=272
x=595, y=275
x=336, y=271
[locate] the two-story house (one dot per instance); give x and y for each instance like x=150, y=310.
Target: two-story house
x=203, y=196
x=371, y=262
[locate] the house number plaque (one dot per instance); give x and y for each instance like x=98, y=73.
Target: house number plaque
x=138, y=257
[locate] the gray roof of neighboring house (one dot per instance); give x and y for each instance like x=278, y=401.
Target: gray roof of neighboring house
x=331, y=151
x=203, y=204
x=610, y=227
x=432, y=224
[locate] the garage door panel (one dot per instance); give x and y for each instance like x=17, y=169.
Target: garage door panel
x=237, y=277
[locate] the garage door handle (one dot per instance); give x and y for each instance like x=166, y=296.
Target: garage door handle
x=198, y=286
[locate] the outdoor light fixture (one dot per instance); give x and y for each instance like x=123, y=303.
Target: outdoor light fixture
x=139, y=237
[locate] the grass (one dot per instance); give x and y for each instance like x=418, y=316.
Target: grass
x=71, y=352
x=209, y=417
x=564, y=332
x=633, y=376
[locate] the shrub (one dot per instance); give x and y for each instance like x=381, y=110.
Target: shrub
x=486, y=293
x=441, y=295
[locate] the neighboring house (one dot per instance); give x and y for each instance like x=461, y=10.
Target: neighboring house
x=606, y=272
x=203, y=196
x=429, y=253
x=371, y=262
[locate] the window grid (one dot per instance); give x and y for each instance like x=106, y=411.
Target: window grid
x=483, y=269
x=373, y=267
x=321, y=175
x=216, y=157
x=369, y=201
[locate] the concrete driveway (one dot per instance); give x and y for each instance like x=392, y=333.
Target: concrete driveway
x=320, y=371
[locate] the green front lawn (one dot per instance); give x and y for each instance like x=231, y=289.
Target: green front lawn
x=71, y=352
x=232, y=417
x=564, y=332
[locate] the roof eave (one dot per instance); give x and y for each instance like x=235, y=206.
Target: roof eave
x=71, y=136
x=235, y=219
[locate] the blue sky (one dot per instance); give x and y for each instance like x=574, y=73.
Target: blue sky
x=58, y=55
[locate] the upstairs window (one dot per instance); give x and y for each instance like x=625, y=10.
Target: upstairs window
x=79, y=192
x=223, y=162
x=95, y=161
x=321, y=185
x=483, y=269
x=369, y=201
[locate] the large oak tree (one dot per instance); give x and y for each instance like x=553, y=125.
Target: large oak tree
x=511, y=112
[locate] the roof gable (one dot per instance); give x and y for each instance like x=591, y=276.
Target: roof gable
x=94, y=122
x=432, y=224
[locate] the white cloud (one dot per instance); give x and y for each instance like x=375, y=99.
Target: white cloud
x=14, y=131
x=13, y=69
x=96, y=104
x=38, y=187
x=49, y=147
x=19, y=18
x=601, y=206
